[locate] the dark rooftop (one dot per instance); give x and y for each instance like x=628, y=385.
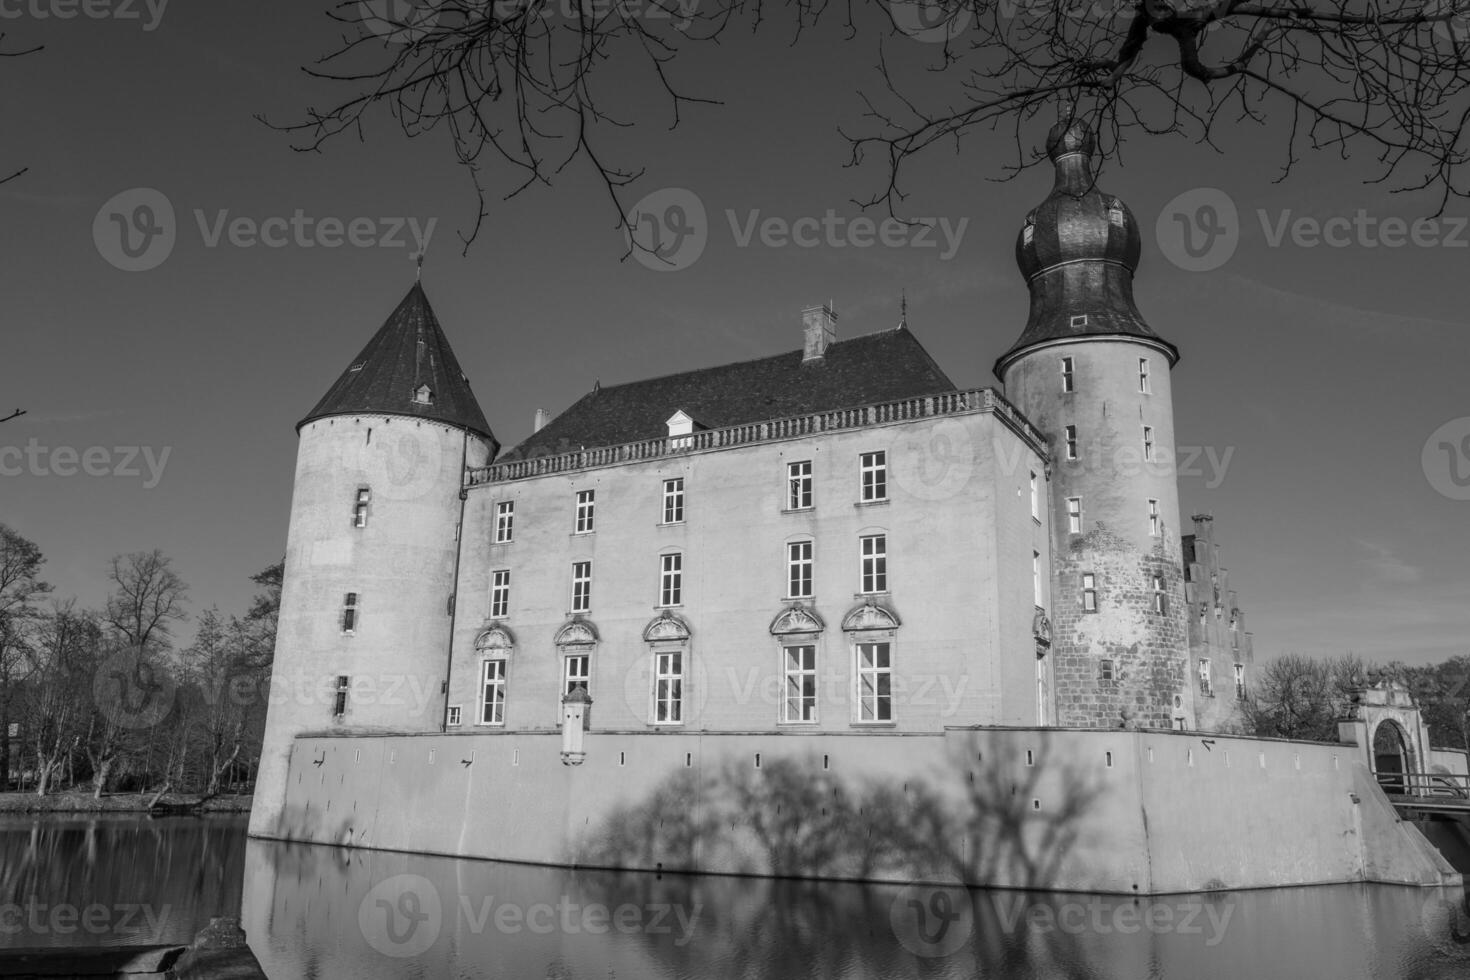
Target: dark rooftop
x=408, y=351
x=886, y=366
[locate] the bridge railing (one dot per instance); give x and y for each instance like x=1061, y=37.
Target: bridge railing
x=1448, y=786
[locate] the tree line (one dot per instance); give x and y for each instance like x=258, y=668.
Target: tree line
x=103, y=699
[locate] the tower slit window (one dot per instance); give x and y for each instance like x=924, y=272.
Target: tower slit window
x=1035, y=500
x=1161, y=597
x=1153, y=516
x=1069, y=383
x=349, y=613
x=1148, y=443
x=1143, y=384
x=360, y=507
x=1070, y=434
x=1036, y=575
x=1074, y=515
x=1089, y=592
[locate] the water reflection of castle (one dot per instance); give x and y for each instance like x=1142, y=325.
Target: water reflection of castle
x=827, y=569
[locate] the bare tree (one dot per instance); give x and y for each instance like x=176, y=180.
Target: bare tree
x=20, y=589
x=527, y=88
x=57, y=698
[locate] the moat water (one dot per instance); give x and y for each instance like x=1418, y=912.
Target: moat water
x=322, y=912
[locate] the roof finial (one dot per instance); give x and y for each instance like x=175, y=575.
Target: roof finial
x=903, y=309
x=419, y=275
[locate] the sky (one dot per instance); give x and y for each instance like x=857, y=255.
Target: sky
x=1322, y=391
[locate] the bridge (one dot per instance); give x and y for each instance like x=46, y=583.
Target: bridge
x=1426, y=792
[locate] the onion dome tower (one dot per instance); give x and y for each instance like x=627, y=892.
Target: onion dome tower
x=1091, y=373
x=362, y=642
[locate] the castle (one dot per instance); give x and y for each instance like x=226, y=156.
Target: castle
x=830, y=559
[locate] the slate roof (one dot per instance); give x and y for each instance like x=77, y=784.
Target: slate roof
x=878, y=367
x=409, y=350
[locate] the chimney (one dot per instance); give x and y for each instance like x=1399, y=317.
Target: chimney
x=542, y=417
x=819, y=324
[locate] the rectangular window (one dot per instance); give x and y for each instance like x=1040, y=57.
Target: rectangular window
x=360, y=507
x=1105, y=670
x=874, y=553
x=1071, y=437
x=1205, y=687
x=349, y=613
x=505, y=518
x=500, y=594
x=1089, y=592
x=668, y=687
x=339, y=700
x=674, y=501
x=1035, y=500
x=581, y=586
x=1074, y=515
x=873, y=468
x=1153, y=516
x=799, y=485
x=671, y=580
x=1161, y=598
x=452, y=720
x=1067, y=378
x=799, y=570
x=875, y=682
x=1240, y=682
x=586, y=505
x=800, y=668
x=1036, y=575
x=492, y=703
x=1148, y=442
x=1143, y=374
x=575, y=673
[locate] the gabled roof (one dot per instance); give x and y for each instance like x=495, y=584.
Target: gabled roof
x=879, y=367
x=407, y=353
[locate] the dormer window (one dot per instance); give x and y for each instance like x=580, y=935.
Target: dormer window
x=1028, y=233
x=681, y=430
x=357, y=367
x=1115, y=212
x=1079, y=321
x=423, y=395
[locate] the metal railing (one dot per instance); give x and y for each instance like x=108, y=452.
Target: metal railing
x=975, y=400
x=1438, y=785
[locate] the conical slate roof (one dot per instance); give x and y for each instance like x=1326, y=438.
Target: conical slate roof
x=407, y=354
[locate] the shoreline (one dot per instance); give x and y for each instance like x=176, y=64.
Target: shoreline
x=70, y=801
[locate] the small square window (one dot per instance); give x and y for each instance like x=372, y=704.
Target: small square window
x=1105, y=670
x=454, y=716
x=1079, y=321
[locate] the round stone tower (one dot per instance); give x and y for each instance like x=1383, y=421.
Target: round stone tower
x=1090, y=373
x=362, y=642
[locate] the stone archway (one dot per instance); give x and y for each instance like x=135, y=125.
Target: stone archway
x=1393, y=758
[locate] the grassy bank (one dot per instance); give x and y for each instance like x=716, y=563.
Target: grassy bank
x=81, y=801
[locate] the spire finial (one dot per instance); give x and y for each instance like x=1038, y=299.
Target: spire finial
x=903, y=309
x=419, y=274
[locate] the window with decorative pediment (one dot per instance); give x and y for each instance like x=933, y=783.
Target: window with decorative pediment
x=872, y=631
x=493, y=648
x=668, y=638
x=576, y=645
x=797, y=630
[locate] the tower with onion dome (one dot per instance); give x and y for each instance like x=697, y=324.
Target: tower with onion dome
x=1092, y=374
x=367, y=610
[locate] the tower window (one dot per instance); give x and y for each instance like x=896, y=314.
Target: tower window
x=339, y=696
x=873, y=470
x=1205, y=687
x=581, y=586
x=423, y=395
x=1070, y=433
x=1036, y=575
x=500, y=594
x=1079, y=320
x=671, y=580
x=1161, y=598
x=349, y=613
x=1068, y=381
x=1115, y=212
x=1153, y=516
x=1089, y=592
x=1148, y=442
x=360, y=507
x=799, y=485
x=1143, y=385
x=1074, y=515
x=674, y=501
x=799, y=570
x=505, y=519
x=1035, y=500
x=586, y=510
x=874, y=562
x=1240, y=682
x=1028, y=232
